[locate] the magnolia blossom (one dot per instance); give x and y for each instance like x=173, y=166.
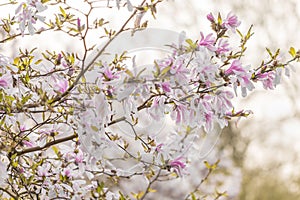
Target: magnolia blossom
x=180, y=113
x=28, y=143
x=26, y=14
x=208, y=41
x=222, y=47
x=210, y=18
x=165, y=62
x=267, y=79
x=102, y=110
x=222, y=101
x=179, y=72
x=157, y=108
x=3, y=83
x=76, y=155
x=202, y=67
x=209, y=120
x=44, y=170
x=166, y=86
x=67, y=172
x=62, y=85
x=109, y=74
x=231, y=22
x=177, y=165
x=208, y=115
x=159, y=147
x=6, y=61
x=6, y=81
x=239, y=76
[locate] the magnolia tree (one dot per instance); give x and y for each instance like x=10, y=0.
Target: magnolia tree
x=101, y=124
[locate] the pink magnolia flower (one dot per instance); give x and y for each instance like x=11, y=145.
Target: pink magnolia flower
x=158, y=148
x=166, y=86
x=222, y=101
x=72, y=155
x=231, y=22
x=78, y=23
x=5, y=61
x=27, y=143
x=3, y=83
x=166, y=62
x=267, y=79
x=208, y=41
x=26, y=15
x=109, y=74
x=6, y=80
x=210, y=17
x=79, y=157
x=22, y=128
x=44, y=170
x=179, y=71
x=62, y=85
x=177, y=165
x=207, y=74
x=235, y=68
x=157, y=108
x=222, y=47
x=209, y=120
x=179, y=114
x=67, y=172
x=239, y=76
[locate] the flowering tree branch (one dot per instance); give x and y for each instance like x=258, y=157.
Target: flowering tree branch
x=106, y=132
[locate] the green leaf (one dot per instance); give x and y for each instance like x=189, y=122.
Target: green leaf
x=83, y=79
x=193, y=196
x=63, y=12
x=94, y=128
x=140, y=72
x=215, y=165
x=192, y=44
x=138, y=195
x=16, y=60
x=165, y=70
x=157, y=72
x=219, y=19
x=122, y=197
x=239, y=32
x=207, y=165
x=26, y=98
x=38, y=61
x=269, y=52
x=129, y=73
x=276, y=53
x=56, y=150
x=189, y=41
x=249, y=33
x=1, y=96
x=2, y=120
x=27, y=78
x=292, y=51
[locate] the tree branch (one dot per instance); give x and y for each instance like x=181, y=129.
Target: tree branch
x=49, y=144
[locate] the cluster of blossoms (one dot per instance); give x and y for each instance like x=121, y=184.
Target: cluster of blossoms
x=27, y=14
x=63, y=123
